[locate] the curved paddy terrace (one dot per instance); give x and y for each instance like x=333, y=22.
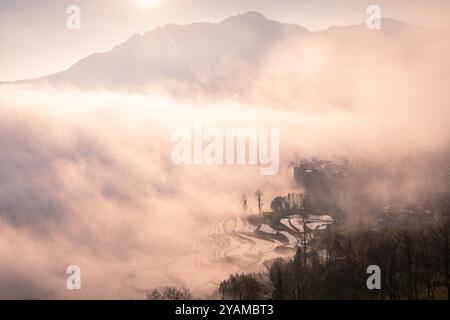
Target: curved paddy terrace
x=234, y=245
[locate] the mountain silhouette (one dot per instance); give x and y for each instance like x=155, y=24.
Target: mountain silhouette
x=226, y=59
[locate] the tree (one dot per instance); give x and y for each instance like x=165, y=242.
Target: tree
x=169, y=293
x=278, y=204
x=441, y=240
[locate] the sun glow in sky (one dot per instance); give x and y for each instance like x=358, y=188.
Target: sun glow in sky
x=147, y=3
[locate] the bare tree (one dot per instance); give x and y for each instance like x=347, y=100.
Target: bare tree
x=169, y=293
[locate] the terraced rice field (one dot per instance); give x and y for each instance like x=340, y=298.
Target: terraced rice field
x=210, y=255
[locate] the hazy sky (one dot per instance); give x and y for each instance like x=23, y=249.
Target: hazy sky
x=35, y=41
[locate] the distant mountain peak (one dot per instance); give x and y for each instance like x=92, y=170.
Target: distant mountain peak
x=182, y=53
x=250, y=16
x=391, y=24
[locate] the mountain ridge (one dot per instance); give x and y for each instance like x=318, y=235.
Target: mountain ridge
x=251, y=19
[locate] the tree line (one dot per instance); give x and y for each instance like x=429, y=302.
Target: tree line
x=414, y=264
